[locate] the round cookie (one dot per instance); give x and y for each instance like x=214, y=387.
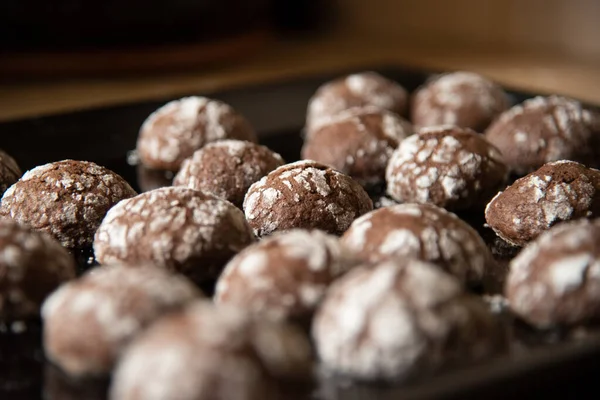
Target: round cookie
x=447, y=166
x=88, y=322
x=463, y=99
x=355, y=90
x=66, y=199
x=9, y=171
x=179, y=128
x=393, y=321
x=545, y=129
x=283, y=276
x=227, y=168
x=555, y=280
x=305, y=194
x=558, y=191
x=208, y=352
x=177, y=228
x=358, y=142
x=424, y=232
x=32, y=265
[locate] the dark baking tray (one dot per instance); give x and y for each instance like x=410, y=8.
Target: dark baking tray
x=566, y=369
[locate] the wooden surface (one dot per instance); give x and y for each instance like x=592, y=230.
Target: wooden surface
x=128, y=60
x=568, y=27
x=285, y=59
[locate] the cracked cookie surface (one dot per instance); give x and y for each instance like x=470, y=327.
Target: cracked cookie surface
x=305, y=194
x=555, y=280
x=558, y=191
x=545, y=129
x=177, y=228
x=66, y=199
x=448, y=166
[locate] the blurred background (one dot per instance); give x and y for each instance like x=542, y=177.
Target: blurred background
x=56, y=55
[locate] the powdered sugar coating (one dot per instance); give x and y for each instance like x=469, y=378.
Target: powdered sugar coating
x=66, y=199
x=283, y=276
x=423, y=232
x=555, y=280
x=9, y=171
x=89, y=321
x=304, y=194
x=173, y=132
x=392, y=321
x=208, y=352
x=545, y=129
x=355, y=90
x=446, y=166
x=177, y=228
x=227, y=168
x=559, y=191
x=358, y=142
x=32, y=265
x=463, y=99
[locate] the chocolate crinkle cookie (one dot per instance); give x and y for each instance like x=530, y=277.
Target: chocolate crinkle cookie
x=89, y=321
x=305, y=194
x=555, y=280
x=355, y=90
x=463, y=99
x=393, y=321
x=212, y=352
x=32, y=265
x=67, y=199
x=9, y=171
x=177, y=228
x=545, y=129
x=424, y=232
x=179, y=128
x=559, y=191
x=450, y=167
x=284, y=276
x=227, y=168
x=358, y=142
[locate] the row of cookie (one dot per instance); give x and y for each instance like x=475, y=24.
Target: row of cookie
x=384, y=315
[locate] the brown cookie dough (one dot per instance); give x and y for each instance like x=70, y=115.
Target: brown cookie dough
x=284, y=276
x=307, y=195
x=555, y=280
x=447, y=166
x=9, y=171
x=463, y=99
x=358, y=142
x=545, y=129
x=208, y=352
x=393, y=321
x=558, y=191
x=355, y=90
x=177, y=228
x=227, y=168
x=179, y=128
x=32, y=265
x=424, y=232
x=66, y=199
x=89, y=322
